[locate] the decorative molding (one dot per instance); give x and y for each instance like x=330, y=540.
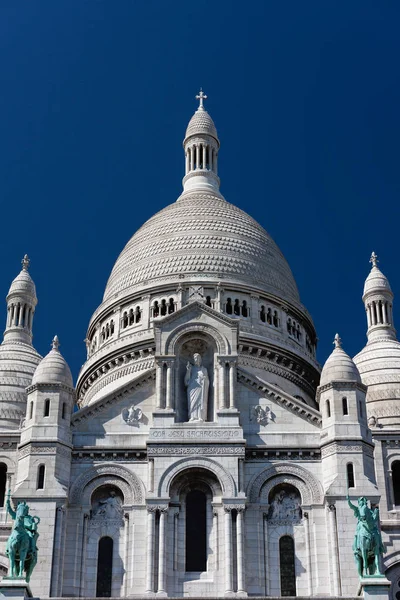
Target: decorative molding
x=111, y=471
x=204, y=433
x=343, y=448
x=195, y=450
x=309, y=488
x=224, y=477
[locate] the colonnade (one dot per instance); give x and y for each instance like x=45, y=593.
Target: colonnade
x=201, y=156
x=20, y=315
x=379, y=312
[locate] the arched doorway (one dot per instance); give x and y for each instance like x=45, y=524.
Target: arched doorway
x=196, y=531
x=104, y=567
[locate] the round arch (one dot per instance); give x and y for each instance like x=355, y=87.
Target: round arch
x=309, y=487
x=184, y=330
x=225, y=479
x=131, y=486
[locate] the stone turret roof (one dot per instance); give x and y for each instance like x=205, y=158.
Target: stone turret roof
x=53, y=368
x=339, y=366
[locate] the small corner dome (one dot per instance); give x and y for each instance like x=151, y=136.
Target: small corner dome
x=53, y=368
x=201, y=124
x=339, y=366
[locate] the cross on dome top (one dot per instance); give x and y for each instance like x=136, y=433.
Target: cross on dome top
x=55, y=343
x=374, y=259
x=25, y=263
x=201, y=97
x=337, y=341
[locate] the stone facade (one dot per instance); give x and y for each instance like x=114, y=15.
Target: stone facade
x=221, y=475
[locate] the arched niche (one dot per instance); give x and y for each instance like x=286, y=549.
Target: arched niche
x=261, y=484
x=188, y=344
x=220, y=481
x=131, y=486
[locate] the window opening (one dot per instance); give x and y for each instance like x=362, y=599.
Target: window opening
x=63, y=411
x=244, y=309
x=345, y=406
x=350, y=475
x=40, y=478
x=156, y=309
x=208, y=301
x=171, y=306
x=328, y=408
x=396, y=481
x=262, y=314
x=236, y=308
x=104, y=567
x=287, y=566
x=196, y=531
x=163, y=308
x=3, y=483
x=31, y=410
x=229, y=306
x=47, y=407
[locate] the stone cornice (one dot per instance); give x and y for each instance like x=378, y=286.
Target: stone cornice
x=271, y=392
x=341, y=385
x=50, y=387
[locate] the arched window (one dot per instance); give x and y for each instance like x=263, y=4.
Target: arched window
x=350, y=475
x=125, y=320
x=196, y=531
x=156, y=309
x=40, y=477
x=138, y=314
x=46, y=407
x=228, y=306
x=328, y=408
x=163, y=308
x=107, y=331
x=287, y=566
x=262, y=314
x=3, y=483
x=345, y=406
x=396, y=482
x=245, y=310
x=276, y=319
x=31, y=409
x=131, y=317
x=360, y=407
x=269, y=317
x=104, y=567
x=112, y=327
x=208, y=301
x=171, y=306
x=236, y=308
x=289, y=326
x=63, y=410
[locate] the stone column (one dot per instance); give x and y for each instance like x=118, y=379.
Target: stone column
x=390, y=489
x=159, y=383
x=169, y=386
x=266, y=547
x=240, y=550
x=187, y=162
x=126, y=551
x=197, y=156
x=241, y=474
x=337, y=588
x=228, y=551
x=232, y=384
x=151, y=521
x=221, y=381
x=308, y=552
x=162, y=553
x=385, y=319
x=150, y=482
x=83, y=556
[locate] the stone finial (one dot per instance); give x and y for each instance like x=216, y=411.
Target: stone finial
x=201, y=97
x=374, y=259
x=55, y=343
x=25, y=262
x=337, y=341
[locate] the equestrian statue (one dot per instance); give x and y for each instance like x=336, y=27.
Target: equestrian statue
x=367, y=545
x=21, y=546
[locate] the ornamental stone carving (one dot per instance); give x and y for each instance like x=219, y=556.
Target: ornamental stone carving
x=134, y=486
x=303, y=480
x=285, y=505
x=132, y=415
x=260, y=415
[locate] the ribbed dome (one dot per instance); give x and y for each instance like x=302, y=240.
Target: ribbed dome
x=201, y=123
x=202, y=236
x=339, y=367
x=53, y=368
x=376, y=281
x=23, y=285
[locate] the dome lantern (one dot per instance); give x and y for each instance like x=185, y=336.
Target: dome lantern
x=378, y=301
x=21, y=303
x=201, y=145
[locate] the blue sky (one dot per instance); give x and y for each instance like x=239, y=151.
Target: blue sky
x=95, y=98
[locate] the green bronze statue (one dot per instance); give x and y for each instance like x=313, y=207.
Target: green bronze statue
x=367, y=545
x=21, y=546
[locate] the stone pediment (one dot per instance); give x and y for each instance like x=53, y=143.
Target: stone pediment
x=192, y=311
x=116, y=396
x=271, y=392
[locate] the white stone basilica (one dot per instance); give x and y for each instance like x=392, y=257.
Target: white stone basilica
x=209, y=455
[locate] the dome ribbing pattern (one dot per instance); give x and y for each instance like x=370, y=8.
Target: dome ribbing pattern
x=202, y=236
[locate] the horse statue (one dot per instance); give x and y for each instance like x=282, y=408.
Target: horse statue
x=21, y=546
x=367, y=545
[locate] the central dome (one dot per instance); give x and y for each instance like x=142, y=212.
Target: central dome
x=204, y=237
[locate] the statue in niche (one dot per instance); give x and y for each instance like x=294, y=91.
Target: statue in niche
x=285, y=506
x=108, y=508
x=197, y=383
